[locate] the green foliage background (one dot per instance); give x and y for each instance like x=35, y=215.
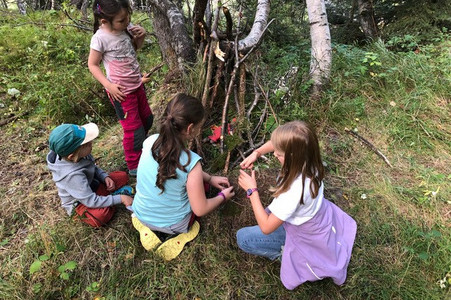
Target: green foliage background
x=394, y=92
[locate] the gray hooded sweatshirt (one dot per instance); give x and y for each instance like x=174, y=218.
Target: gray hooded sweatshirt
x=74, y=181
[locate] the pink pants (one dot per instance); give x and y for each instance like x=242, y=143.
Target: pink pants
x=136, y=119
x=99, y=216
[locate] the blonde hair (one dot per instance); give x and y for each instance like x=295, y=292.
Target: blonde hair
x=299, y=143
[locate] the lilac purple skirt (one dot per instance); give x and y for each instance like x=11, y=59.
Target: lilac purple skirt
x=318, y=248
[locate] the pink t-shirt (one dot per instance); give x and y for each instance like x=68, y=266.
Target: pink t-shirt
x=119, y=59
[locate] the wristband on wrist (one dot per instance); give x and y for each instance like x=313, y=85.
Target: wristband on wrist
x=249, y=192
x=223, y=196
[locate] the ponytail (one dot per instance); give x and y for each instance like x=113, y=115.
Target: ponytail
x=180, y=112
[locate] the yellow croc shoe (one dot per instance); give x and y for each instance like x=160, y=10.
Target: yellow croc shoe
x=148, y=238
x=172, y=247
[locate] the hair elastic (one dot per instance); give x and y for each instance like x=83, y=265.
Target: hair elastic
x=99, y=9
x=223, y=196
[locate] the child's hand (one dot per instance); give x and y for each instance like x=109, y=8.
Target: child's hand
x=247, y=181
x=228, y=192
x=126, y=200
x=219, y=182
x=115, y=92
x=110, y=186
x=137, y=31
x=248, y=162
x=145, y=78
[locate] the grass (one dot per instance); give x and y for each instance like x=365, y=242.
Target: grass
x=403, y=245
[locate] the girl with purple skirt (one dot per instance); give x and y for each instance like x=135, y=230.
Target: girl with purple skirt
x=313, y=236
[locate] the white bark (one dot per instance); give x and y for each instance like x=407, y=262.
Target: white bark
x=321, y=52
x=22, y=6
x=260, y=21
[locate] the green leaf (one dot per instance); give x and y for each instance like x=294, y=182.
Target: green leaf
x=60, y=247
x=435, y=233
x=37, y=287
x=35, y=266
x=4, y=242
x=61, y=268
x=44, y=257
x=423, y=256
x=65, y=276
x=70, y=265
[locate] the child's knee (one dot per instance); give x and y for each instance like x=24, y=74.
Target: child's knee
x=242, y=238
x=120, y=178
x=139, y=135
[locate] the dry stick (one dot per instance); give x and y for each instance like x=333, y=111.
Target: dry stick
x=154, y=69
x=13, y=118
x=260, y=122
x=371, y=146
x=257, y=94
x=242, y=93
x=237, y=102
x=208, y=75
x=227, y=162
x=251, y=108
x=248, y=151
x=269, y=103
x=77, y=24
x=210, y=57
x=229, y=89
x=217, y=81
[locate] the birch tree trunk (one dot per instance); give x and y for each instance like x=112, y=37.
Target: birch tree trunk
x=173, y=38
x=260, y=22
x=22, y=6
x=321, y=52
x=366, y=18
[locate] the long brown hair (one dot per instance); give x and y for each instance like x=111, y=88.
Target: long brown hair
x=298, y=141
x=180, y=112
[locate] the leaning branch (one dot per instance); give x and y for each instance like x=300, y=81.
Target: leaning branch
x=369, y=145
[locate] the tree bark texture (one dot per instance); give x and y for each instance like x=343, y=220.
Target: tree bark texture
x=321, y=52
x=22, y=6
x=173, y=38
x=198, y=20
x=366, y=18
x=258, y=27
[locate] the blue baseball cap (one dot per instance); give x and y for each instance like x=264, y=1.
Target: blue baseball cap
x=66, y=138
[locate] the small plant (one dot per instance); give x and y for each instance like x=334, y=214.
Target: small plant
x=93, y=287
x=403, y=44
x=370, y=63
x=65, y=269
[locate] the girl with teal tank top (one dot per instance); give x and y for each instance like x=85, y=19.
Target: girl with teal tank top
x=170, y=181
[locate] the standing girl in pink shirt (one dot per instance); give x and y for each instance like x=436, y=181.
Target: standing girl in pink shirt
x=115, y=42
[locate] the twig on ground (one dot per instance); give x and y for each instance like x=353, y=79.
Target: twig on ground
x=371, y=146
x=13, y=118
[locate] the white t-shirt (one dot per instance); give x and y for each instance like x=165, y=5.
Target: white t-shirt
x=287, y=205
x=119, y=59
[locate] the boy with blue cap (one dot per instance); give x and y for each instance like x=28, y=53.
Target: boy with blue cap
x=83, y=187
